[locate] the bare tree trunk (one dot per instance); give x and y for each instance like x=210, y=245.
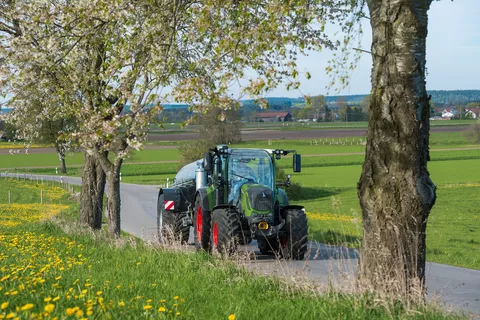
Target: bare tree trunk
x=395, y=190
x=61, y=157
x=91, y=197
x=112, y=171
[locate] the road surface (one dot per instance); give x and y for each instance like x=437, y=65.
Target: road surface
x=453, y=287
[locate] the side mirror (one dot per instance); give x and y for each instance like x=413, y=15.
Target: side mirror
x=297, y=163
x=208, y=161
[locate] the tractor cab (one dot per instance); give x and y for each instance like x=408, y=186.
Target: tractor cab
x=248, y=167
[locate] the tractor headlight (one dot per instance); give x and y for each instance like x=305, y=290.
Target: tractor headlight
x=263, y=225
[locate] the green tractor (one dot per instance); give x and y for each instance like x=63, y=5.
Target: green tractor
x=233, y=198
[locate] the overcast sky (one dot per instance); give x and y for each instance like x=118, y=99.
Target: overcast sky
x=453, y=54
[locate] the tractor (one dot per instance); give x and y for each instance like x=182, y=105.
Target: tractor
x=231, y=197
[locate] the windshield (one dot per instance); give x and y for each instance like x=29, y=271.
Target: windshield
x=246, y=165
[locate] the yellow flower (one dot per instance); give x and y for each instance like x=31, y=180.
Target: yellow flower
x=10, y=315
x=99, y=292
x=147, y=307
x=163, y=301
x=28, y=306
x=79, y=313
x=177, y=314
x=47, y=299
x=121, y=304
x=56, y=298
x=232, y=317
x=175, y=298
x=49, y=308
x=70, y=311
x=4, y=305
x=89, y=312
x=162, y=309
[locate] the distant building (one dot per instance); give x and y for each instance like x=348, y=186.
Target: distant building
x=472, y=113
x=274, y=116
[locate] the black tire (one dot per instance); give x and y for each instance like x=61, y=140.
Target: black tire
x=224, y=231
x=165, y=221
x=182, y=232
x=294, y=246
x=269, y=247
x=170, y=224
x=201, y=226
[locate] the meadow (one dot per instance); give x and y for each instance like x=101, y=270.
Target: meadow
x=331, y=169
x=53, y=268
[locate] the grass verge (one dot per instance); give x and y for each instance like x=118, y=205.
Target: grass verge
x=52, y=269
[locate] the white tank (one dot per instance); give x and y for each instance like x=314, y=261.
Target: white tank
x=200, y=176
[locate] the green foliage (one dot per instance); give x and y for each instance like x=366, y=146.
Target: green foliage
x=193, y=150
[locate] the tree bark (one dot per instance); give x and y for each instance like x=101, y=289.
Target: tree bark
x=61, y=157
x=91, y=197
x=112, y=171
x=395, y=190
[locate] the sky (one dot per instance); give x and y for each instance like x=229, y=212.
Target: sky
x=453, y=54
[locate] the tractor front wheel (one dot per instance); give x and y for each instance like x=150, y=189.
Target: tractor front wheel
x=294, y=244
x=224, y=231
x=202, y=224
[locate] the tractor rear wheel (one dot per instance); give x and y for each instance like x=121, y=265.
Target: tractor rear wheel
x=225, y=230
x=201, y=224
x=294, y=244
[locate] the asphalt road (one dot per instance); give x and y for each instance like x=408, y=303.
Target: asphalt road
x=452, y=287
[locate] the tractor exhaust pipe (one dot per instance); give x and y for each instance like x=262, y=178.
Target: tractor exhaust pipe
x=200, y=177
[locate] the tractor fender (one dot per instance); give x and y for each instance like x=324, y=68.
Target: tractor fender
x=204, y=196
x=292, y=206
x=171, y=199
x=282, y=198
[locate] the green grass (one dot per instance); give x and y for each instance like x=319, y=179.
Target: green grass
x=80, y=274
x=329, y=187
x=453, y=233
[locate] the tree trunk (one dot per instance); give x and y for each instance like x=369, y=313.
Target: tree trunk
x=61, y=157
x=91, y=197
x=112, y=171
x=395, y=190
x=113, y=201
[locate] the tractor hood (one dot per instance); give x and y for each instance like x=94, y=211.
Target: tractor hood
x=257, y=198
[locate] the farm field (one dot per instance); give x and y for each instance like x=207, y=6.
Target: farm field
x=51, y=268
x=329, y=177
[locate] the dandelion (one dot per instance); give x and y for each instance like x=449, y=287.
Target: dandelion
x=79, y=313
x=162, y=309
x=28, y=306
x=70, y=311
x=147, y=307
x=232, y=317
x=49, y=308
x=56, y=298
x=121, y=304
x=177, y=314
x=175, y=298
x=4, y=305
x=99, y=293
x=10, y=315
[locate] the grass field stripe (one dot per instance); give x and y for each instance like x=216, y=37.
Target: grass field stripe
x=169, y=205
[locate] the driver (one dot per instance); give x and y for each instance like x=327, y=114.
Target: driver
x=241, y=173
